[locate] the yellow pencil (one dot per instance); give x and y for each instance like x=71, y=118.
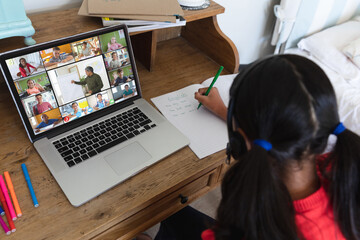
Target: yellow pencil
x=12, y=193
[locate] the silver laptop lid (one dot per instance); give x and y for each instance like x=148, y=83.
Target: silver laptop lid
x=65, y=83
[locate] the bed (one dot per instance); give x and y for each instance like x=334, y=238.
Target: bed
x=327, y=32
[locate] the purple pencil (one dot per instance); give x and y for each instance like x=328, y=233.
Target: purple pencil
x=4, y=226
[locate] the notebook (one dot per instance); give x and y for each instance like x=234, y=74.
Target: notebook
x=206, y=131
x=80, y=101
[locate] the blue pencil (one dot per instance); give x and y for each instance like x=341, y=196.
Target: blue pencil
x=28, y=181
x=2, y=212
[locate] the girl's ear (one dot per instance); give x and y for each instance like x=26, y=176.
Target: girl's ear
x=247, y=141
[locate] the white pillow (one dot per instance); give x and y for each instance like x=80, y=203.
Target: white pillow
x=352, y=51
x=328, y=44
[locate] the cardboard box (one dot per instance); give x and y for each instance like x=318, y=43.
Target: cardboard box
x=83, y=11
x=138, y=7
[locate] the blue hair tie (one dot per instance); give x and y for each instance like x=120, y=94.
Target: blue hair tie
x=339, y=129
x=264, y=144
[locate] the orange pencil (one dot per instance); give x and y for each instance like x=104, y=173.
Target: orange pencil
x=12, y=193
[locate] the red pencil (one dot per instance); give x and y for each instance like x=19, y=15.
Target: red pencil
x=7, y=213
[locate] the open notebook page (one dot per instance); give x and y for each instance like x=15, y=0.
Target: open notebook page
x=207, y=133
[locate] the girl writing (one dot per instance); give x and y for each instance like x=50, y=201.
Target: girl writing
x=281, y=114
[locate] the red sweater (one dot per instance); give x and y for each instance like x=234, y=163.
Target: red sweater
x=313, y=216
x=23, y=71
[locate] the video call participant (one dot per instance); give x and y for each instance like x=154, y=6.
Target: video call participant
x=46, y=122
x=113, y=45
x=115, y=62
x=128, y=92
x=101, y=103
x=24, y=67
x=93, y=81
x=75, y=110
x=33, y=88
x=57, y=58
x=119, y=78
x=41, y=106
x=87, y=49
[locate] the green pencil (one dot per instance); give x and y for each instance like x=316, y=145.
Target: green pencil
x=212, y=83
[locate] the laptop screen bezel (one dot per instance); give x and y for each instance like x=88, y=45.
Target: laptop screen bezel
x=66, y=40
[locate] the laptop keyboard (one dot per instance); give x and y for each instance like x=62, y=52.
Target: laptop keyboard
x=93, y=140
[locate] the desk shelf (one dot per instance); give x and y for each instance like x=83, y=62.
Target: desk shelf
x=201, y=30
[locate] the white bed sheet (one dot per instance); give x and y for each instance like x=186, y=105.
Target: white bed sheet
x=347, y=93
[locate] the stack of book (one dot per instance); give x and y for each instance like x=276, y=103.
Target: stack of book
x=138, y=15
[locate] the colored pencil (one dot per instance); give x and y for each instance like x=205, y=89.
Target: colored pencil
x=4, y=226
x=7, y=198
x=7, y=213
x=12, y=193
x=1, y=211
x=212, y=83
x=28, y=181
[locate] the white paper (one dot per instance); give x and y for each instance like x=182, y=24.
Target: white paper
x=207, y=132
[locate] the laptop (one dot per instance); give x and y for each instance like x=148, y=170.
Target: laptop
x=80, y=101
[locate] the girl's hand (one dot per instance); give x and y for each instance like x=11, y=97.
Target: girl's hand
x=213, y=101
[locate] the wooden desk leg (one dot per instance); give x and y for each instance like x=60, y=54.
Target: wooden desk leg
x=206, y=35
x=144, y=46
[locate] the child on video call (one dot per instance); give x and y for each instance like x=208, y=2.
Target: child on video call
x=113, y=45
x=282, y=112
x=76, y=112
x=119, y=78
x=86, y=50
x=115, y=62
x=46, y=122
x=24, y=67
x=34, y=88
x=128, y=92
x=100, y=102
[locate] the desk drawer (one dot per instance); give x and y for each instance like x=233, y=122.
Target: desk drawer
x=162, y=208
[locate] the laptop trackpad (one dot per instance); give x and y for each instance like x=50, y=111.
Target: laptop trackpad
x=127, y=158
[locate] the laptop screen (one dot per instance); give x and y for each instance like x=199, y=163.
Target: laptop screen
x=68, y=80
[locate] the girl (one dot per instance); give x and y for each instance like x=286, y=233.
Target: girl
x=34, y=88
x=76, y=112
x=24, y=67
x=115, y=62
x=281, y=113
x=113, y=45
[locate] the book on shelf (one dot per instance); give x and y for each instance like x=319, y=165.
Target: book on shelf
x=107, y=21
x=140, y=25
x=136, y=7
x=148, y=15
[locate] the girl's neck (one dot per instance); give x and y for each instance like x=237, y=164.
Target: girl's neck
x=301, y=178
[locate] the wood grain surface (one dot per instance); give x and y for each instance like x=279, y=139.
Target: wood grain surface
x=131, y=206
x=137, y=203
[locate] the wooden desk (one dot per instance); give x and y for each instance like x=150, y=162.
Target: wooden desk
x=136, y=204
x=132, y=206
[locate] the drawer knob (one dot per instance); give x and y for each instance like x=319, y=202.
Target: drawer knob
x=183, y=199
